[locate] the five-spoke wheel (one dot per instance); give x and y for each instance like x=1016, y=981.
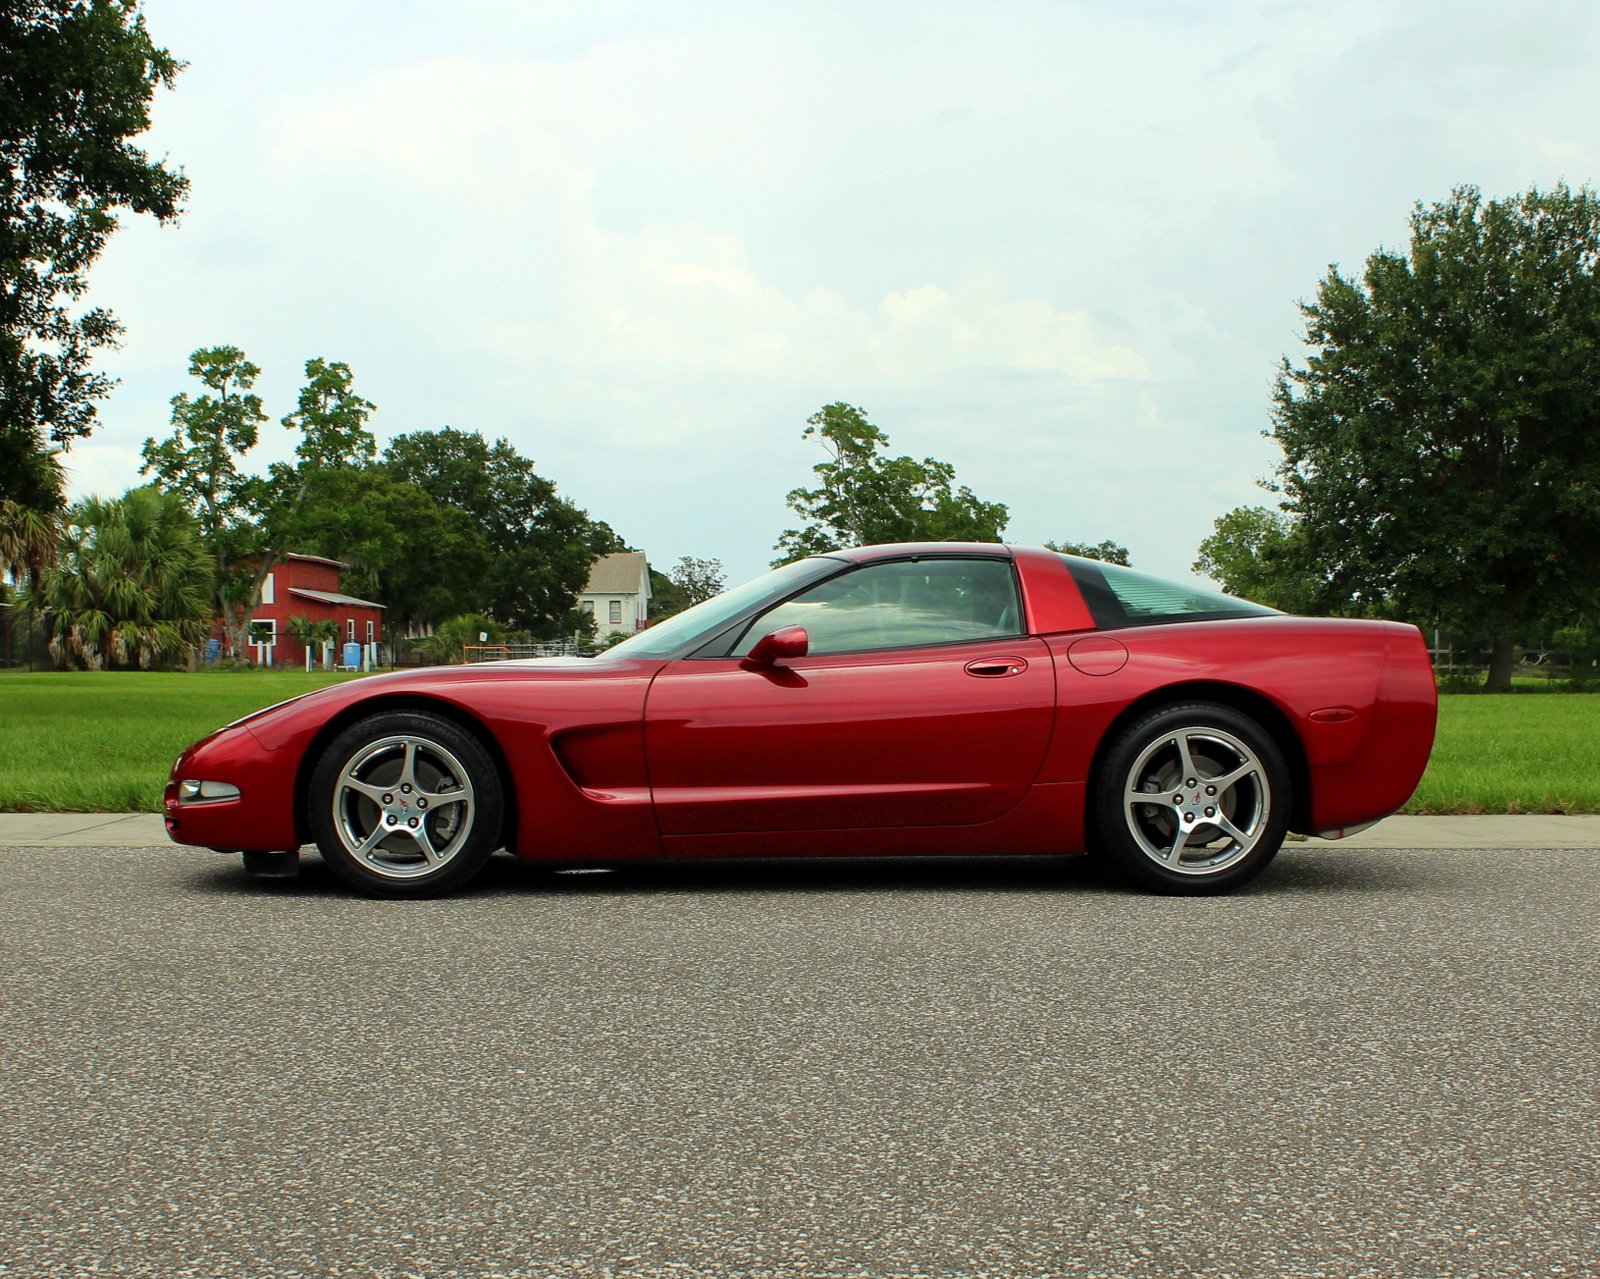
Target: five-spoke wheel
x=405, y=802
x=1193, y=798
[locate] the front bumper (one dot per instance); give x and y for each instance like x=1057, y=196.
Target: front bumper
x=259, y=817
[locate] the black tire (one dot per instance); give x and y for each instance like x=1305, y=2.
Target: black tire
x=1213, y=774
x=406, y=804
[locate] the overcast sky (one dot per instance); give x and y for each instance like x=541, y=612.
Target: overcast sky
x=1056, y=244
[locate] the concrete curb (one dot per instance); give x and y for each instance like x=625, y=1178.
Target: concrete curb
x=145, y=830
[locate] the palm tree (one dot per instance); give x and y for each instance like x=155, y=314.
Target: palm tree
x=130, y=586
x=28, y=538
x=29, y=532
x=449, y=641
x=324, y=631
x=313, y=635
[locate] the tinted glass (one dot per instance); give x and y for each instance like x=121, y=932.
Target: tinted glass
x=710, y=616
x=1120, y=596
x=902, y=604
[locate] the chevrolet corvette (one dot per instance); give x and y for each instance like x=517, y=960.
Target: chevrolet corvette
x=939, y=698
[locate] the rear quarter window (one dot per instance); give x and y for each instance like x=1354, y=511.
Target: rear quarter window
x=1119, y=596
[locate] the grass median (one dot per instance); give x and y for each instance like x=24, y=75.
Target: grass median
x=103, y=742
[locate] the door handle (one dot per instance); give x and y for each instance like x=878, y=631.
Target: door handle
x=996, y=667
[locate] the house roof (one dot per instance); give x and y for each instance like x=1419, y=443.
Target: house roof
x=619, y=574
x=329, y=597
x=315, y=559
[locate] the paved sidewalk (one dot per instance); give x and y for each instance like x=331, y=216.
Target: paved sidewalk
x=1525, y=830
x=83, y=830
x=145, y=830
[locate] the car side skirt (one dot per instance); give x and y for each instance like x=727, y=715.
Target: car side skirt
x=1048, y=820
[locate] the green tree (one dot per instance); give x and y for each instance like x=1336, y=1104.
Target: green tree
x=864, y=496
x=331, y=419
x=1259, y=554
x=131, y=586
x=202, y=461
x=450, y=641
x=1439, y=442
x=249, y=520
x=29, y=536
x=666, y=596
x=313, y=635
x=698, y=580
x=332, y=422
x=76, y=81
x=31, y=530
x=423, y=560
x=1107, y=552
x=540, y=545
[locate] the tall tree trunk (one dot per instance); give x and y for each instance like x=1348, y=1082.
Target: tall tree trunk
x=238, y=625
x=1501, y=659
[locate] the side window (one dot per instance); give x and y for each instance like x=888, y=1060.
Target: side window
x=1119, y=596
x=902, y=604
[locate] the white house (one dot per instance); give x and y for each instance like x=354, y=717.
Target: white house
x=618, y=593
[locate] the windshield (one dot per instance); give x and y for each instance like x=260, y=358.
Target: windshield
x=710, y=616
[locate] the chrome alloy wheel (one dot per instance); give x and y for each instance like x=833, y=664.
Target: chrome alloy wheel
x=403, y=806
x=1197, y=800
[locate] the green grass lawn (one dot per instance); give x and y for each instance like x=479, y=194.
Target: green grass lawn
x=103, y=742
x=1514, y=753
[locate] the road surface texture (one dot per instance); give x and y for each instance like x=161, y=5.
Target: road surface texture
x=1371, y=1064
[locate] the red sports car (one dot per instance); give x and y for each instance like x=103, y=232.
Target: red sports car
x=926, y=699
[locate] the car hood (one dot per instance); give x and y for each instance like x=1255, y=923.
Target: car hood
x=274, y=725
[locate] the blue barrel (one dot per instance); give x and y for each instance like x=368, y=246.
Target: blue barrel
x=352, y=655
x=213, y=648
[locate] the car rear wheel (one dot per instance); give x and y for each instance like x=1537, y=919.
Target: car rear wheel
x=406, y=803
x=1193, y=798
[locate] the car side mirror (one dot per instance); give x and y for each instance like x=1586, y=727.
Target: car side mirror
x=785, y=642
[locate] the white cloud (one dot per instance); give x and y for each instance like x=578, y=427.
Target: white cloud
x=531, y=282
x=1055, y=244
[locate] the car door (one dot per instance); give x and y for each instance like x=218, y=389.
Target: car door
x=919, y=703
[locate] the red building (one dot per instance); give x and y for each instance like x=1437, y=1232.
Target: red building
x=308, y=586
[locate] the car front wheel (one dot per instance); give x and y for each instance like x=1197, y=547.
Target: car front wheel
x=1193, y=798
x=406, y=803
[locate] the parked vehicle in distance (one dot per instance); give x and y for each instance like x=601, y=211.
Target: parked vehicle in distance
x=940, y=698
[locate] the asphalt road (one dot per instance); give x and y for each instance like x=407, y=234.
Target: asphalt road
x=1372, y=1064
